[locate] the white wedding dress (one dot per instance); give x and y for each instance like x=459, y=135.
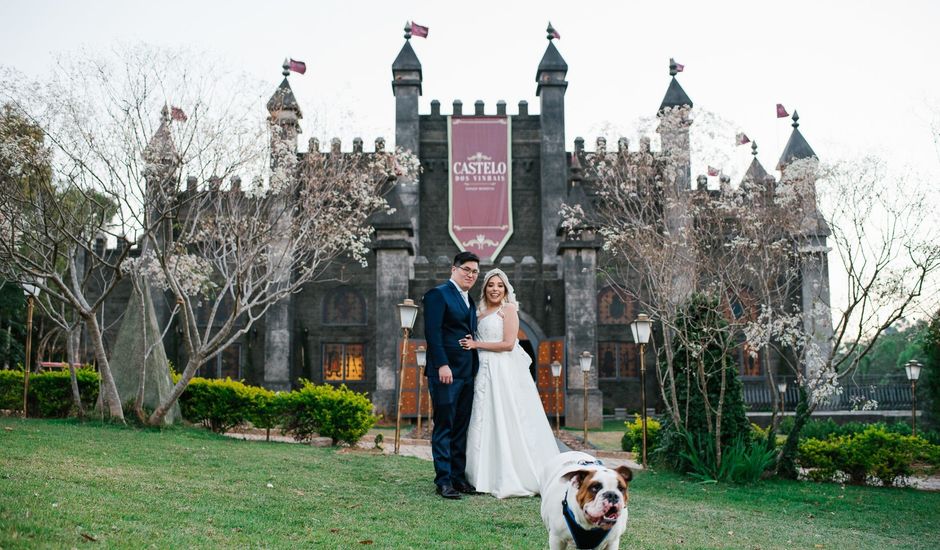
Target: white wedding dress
x=509, y=438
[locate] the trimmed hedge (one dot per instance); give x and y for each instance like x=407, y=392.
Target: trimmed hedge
x=50, y=392
x=338, y=413
x=220, y=405
x=875, y=453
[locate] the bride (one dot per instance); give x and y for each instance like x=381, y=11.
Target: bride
x=509, y=438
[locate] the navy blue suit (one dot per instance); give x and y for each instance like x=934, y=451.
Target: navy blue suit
x=446, y=321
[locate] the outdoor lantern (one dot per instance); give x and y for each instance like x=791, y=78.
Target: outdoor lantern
x=641, y=329
x=913, y=369
x=408, y=312
x=421, y=358
x=556, y=375
x=585, y=360
x=31, y=290
x=782, y=387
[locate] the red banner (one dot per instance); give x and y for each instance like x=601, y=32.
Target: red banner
x=480, y=183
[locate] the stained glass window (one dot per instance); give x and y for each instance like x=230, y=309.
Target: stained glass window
x=344, y=306
x=614, y=310
x=617, y=360
x=344, y=362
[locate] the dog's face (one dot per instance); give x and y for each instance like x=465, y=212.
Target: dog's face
x=601, y=496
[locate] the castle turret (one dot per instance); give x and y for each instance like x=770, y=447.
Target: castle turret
x=285, y=127
x=406, y=85
x=757, y=177
x=553, y=161
x=811, y=243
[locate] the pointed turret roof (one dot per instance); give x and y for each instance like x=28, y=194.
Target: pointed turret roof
x=552, y=60
x=797, y=148
x=283, y=98
x=161, y=148
x=675, y=95
x=755, y=172
x=407, y=60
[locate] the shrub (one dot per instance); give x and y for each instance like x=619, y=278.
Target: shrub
x=873, y=453
x=266, y=410
x=218, y=404
x=632, y=439
x=338, y=413
x=50, y=392
x=741, y=462
x=11, y=390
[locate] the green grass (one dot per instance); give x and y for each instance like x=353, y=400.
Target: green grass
x=186, y=488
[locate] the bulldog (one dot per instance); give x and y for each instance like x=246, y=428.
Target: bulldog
x=584, y=503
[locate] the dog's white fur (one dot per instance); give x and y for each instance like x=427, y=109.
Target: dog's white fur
x=565, y=473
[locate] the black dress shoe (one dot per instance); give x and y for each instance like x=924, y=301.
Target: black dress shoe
x=465, y=488
x=447, y=491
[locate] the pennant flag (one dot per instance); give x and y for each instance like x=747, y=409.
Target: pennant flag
x=297, y=66
x=741, y=139
x=712, y=171
x=177, y=114
x=553, y=32
x=781, y=112
x=679, y=67
x=419, y=30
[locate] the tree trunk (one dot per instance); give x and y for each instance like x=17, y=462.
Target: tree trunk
x=71, y=345
x=189, y=372
x=109, y=395
x=786, y=463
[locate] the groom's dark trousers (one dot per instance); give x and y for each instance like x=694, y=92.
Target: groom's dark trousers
x=447, y=319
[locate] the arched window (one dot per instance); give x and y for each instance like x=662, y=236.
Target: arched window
x=344, y=306
x=612, y=309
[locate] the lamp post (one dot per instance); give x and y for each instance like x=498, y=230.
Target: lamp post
x=421, y=356
x=407, y=313
x=641, y=335
x=585, y=361
x=912, y=368
x=782, y=390
x=556, y=374
x=31, y=290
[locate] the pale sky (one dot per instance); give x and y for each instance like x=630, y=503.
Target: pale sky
x=860, y=73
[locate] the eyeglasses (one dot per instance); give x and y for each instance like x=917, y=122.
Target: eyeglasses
x=468, y=271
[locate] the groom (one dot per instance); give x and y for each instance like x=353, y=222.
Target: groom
x=449, y=315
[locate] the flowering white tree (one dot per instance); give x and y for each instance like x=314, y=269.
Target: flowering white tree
x=235, y=253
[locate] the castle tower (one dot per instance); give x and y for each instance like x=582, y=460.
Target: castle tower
x=673, y=128
x=578, y=252
x=406, y=85
x=553, y=164
x=285, y=127
x=811, y=242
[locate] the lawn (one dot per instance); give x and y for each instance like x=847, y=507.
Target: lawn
x=65, y=484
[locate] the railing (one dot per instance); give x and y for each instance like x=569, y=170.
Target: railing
x=889, y=393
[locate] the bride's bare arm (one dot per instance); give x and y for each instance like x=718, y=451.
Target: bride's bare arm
x=510, y=333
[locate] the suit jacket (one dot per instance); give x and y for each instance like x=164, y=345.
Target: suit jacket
x=446, y=321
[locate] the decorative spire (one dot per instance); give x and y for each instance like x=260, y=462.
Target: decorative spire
x=673, y=68
x=407, y=30
x=286, y=68
x=796, y=120
x=797, y=148
x=551, y=33
x=754, y=148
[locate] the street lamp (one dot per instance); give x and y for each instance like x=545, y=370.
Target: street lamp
x=585, y=361
x=421, y=356
x=556, y=374
x=782, y=390
x=407, y=313
x=641, y=335
x=913, y=373
x=31, y=290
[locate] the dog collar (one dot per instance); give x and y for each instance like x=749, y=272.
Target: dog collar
x=583, y=538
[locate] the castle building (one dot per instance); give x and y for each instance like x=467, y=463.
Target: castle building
x=492, y=183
